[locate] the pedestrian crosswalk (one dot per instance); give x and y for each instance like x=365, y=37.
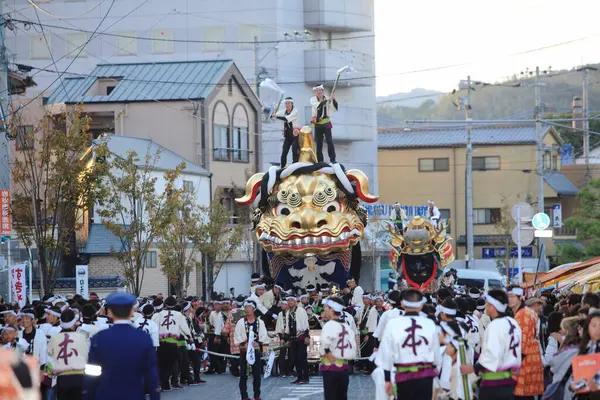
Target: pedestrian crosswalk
x=296, y=392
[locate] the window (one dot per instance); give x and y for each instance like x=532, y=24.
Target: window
x=445, y=216
x=213, y=38
x=228, y=201
x=188, y=186
x=486, y=216
x=434, y=164
x=555, y=162
x=230, y=87
x=39, y=49
x=126, y=43
x=77, y=44
x=486, y=163
x=240, y=144
x=247, y=34
x=151, y=259
x=24, y=137
x=109, y=89
x=495, y=283
x=478, y=283
x=221, y=143
x=163, y=41
x=547, y=160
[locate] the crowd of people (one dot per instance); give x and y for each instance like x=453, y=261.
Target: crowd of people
x=448, y=344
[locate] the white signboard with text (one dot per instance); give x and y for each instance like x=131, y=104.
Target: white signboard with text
x=81, y=280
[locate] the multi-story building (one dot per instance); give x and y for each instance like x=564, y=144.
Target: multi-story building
x=421, y=164
x=299, y=43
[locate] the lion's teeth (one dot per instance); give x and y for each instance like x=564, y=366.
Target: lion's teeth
x=325, y=239
x=355, y=232
x=263, y=236
x=297, y=242
x=334, y=239
x=306, y=240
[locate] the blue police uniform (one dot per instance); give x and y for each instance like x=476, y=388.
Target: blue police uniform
x=127, y=360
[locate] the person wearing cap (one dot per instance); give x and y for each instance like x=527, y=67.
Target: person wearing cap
x=68, y=352
x=122, y=360
x=291, y=130
x=398, y=217
x=531, y=383
x=297, y=329
x=433, y=213
x=172, y=326
x=145, y=323
x=409, y=351
x=501, y=350
x=321, y=109
x=367, y=319
x=337, y=349
x=250, y=323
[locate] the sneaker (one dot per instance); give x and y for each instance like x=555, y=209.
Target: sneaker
x=166, y=390
x=297, y=381
x=177, y=387
x=303, y=382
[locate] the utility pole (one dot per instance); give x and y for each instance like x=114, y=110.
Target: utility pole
x=540, y=160
x=586, y=120
x=469, y=183
x=256, y=69
x=4, y=144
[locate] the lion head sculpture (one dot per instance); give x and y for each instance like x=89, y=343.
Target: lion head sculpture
x=420, y=251
x=308, y=217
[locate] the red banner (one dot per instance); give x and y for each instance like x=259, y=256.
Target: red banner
x=5, y=228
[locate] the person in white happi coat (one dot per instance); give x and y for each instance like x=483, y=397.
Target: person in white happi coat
x=321, y=114
x=87, y=327
x=241, y=337
x=367, y=319
x=255, y=296
x=285, y=357
x=433, y=213
x=500, y=350
x=145, y=323
x=68, y=351
x=356, y=292
x=291, y=130
x=337, y=349
x=484, y=319
x=171, y=326
x=52, y=325
x=35, y=338
x=409, y=351
x=297, y=332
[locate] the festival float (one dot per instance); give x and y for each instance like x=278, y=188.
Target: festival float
x=308, y=219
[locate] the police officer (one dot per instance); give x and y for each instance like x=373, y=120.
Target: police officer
x=122, y=361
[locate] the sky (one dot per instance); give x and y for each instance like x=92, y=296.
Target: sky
x=482, y=37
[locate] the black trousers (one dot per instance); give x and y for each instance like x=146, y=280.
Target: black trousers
x=196, y=361
x=289, y=141
x=224, y=348
x=255, y=374
x=300, y=358
x=335, y=385
x=214, y=360
x=320, y=131
x=417, y=389
x=69, y=387
x=167, y=354
x=366, y=350
x=184, y=367
x=496, y=393
x=285, y=366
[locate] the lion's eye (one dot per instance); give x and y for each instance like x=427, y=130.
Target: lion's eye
x=282, y=209
x=332, y=207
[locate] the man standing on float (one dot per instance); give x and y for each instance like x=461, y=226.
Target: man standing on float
x=321, y=107
x=291, y=130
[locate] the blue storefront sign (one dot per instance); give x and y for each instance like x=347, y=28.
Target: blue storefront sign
x=385, y=210
x=500, y=252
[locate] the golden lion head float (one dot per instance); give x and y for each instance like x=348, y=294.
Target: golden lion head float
x=308, y=210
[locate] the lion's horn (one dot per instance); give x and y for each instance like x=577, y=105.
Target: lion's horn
x=362, y=185
x=252, y=187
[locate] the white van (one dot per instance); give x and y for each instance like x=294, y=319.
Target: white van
x=481, y=279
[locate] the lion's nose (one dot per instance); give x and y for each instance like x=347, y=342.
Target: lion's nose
x=308, y=219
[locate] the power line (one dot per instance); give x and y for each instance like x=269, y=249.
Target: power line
x=36, y=7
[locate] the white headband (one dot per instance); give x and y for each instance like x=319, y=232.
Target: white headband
x=303, y=296
x=311, y=290
x=63, y=308
x=259, y=286
x=447, y=311
x=255, y=279
x=497, y=305
x=159, y=307
x=51, y=312
x=481, y=307
x=446, y=328
x=8, y=328
x=11, y=312
x=68, y=325
x=318, y=87
x=279, y=287
x=28, y=314
x=187, y=307
x=250, y=303
x=337, y=307
x=288, y=101
x=414, y=304
x=517, y=291
x=474, y=296
x=291, y=298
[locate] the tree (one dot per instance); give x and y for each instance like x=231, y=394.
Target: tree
x=136, y=210
x=220, y=239
x=179, y=242
x=587, y=225
x=53, y=184
x=504, y=227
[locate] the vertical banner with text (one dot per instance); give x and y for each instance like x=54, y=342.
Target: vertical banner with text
x=81, y=278
x=5, y=228
x=18, y=284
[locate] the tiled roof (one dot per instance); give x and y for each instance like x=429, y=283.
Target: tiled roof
x=388, y=122
x=94, y=282
x=560, y=183
x=101, y=241
x=167, y=160
x=162, y=81
x=456, y=137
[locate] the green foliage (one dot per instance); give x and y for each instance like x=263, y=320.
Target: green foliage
x=134, y=211
x=53, y=185
x=504, y=227
x=587, y=224
x=568, y=253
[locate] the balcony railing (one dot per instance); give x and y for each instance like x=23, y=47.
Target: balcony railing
x=565, y=231
x=229, y=154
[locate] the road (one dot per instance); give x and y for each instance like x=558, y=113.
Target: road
x=225, y=387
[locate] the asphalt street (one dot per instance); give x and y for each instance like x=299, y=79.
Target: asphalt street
x=225, y=387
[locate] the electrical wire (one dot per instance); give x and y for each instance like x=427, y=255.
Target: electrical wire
x=36, y=7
